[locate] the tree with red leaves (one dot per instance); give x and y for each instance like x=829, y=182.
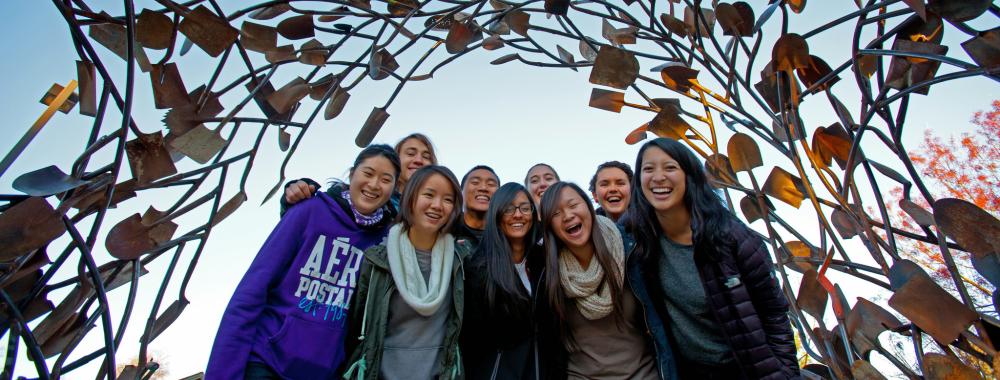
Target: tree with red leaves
x=965, y=167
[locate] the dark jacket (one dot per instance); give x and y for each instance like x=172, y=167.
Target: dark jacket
x=552, y=343
x=500, y=344
x=462, y=231
x=369, y=316
x=745, y=299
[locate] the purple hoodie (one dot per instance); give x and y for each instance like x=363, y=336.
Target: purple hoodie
x=290, y=310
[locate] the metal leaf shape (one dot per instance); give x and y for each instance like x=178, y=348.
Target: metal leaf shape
x=812, y=298
x=815, y=71
x=289, y=95
x=803, y=252
x=168, y=87
x=735, y=19
x=865, y=322
x=751, y=211
x=885, y=170
x=696, y=25
x=229, y=207
x=614, y=67
x=784, y=187
x=919, y=214
x=959, y=10
x=313, y=53
x=375, y=120
x=153, y=29
x=281, y=53
x=319, y=88
x=674, y=25
x=148, y=158
x=969, y=225
x=518, y=21
x=112, y=36
x=268, y=13
x=744, y=153
x=845, y=224
x=557, y=7
x=637, y=135
x=919, y=299
x=46, y=181
x=720, y=171
x=906, y=71
x=400, y=8
x=28, y=225
x=984, y=48
x=381, y=65
x=297, y=27
x=166, y=319
x=88, y=87
x=946, y=367
x=669, y=123
x=200, y=144
x=677, y=76
x=607, y=100
x=790, y=52
x=565, y=55
x=336, y=104
x=136, y=235
x=207, y=30
x=588, y=53
x=459, y=37
x=258, y=38
x=505, y=59
x=832, y=143
x=493, y=42
x=796, y=5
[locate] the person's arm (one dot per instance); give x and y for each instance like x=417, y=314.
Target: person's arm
x=296, y=191
x=237, y=330
x=772, y=308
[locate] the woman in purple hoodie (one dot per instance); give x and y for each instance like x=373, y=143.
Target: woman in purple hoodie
x=288, y=316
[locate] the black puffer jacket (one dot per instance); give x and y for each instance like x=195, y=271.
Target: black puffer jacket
x=495, y=344
x=745, y=300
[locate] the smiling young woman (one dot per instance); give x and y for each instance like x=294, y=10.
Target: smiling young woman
x=610, y=188
x=595, y=324
x=540, y=176
x=407, y=313
x=286, y=318
x=734, y=322
x=499, y=333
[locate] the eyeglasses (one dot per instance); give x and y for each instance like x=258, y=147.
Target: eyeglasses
x=524, y=208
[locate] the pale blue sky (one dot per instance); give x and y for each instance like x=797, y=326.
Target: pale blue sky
x=507, y=116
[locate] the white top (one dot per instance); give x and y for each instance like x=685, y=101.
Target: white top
x=522, y=272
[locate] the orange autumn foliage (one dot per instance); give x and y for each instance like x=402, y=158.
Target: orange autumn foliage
x=965, y=167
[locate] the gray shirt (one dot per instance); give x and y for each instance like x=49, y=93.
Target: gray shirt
x=606, y=350
x=413, y=341
x=699, y=339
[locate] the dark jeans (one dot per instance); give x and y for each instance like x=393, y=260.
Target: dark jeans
x=259, y=371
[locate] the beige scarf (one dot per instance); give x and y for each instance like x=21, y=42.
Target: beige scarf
x=582, y=284
x=425, y=297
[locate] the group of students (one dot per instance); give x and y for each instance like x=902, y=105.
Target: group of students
x=405, y=272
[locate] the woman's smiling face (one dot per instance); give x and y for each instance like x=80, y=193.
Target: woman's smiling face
x=571, y=220
x=662, y=179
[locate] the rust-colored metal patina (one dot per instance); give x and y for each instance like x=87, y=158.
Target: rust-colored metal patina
x=694, y=66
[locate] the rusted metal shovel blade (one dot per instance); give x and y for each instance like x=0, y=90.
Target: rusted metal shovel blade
x=207, y=30
x=167, y=318
x=921, y=301
x=200, y=144
x=607, y=100
x=46, y=181
x=148, y=158
x=27, y=226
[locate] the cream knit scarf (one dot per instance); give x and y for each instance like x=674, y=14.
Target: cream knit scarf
x=582, y=284
x=425, y=297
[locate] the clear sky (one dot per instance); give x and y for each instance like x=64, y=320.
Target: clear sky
x=509, y=117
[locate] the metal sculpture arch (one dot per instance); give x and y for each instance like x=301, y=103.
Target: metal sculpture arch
x=710, y=65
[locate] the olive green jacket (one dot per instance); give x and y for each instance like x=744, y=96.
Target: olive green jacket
x=369, y=316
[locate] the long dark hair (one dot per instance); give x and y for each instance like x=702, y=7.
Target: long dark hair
x=504, y=293
x=378, y=150
x=413, y=186
x=553, y=285
x=710, y=220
